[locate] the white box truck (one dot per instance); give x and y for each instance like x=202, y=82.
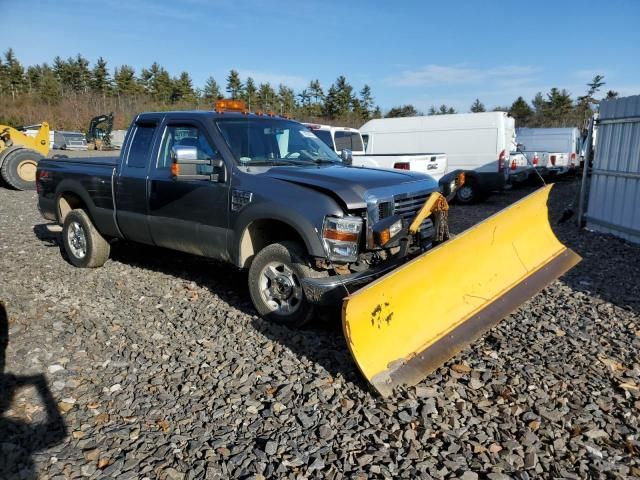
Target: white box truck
x=341, y=138
x=552, y=151
x=477, y=143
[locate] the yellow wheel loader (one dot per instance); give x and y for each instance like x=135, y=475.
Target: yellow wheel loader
x=20, y=154
x=409, y=322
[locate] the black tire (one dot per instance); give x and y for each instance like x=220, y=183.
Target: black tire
x=19, y=168
x=291, y=255
x=96, y=248
x=467, y=194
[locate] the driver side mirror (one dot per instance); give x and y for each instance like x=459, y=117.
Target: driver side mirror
x=185, y=162
x=346, y=156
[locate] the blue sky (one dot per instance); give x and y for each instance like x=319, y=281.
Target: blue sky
x=420, y=52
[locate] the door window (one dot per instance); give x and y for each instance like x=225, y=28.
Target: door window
x=190, y=136
x=141, y=146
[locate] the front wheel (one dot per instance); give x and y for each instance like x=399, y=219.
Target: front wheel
x=275, y=284
x=84, y=245
x=467, y=194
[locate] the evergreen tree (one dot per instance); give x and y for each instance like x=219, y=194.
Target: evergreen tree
x=125, y=81
x=305, y=98
x=477, y=107
x=100, y=81
x=266, y=97
x=234, y=85
x=250, y=93
x=558, y=106
x=14, y=73
x=183, y=89
x=365, y=102
x=286, y=99
x=331, y=108
x=50, y=89
x=211, y=91
x=343, y=96
x=521, y=112
x=315, y=91
x=403, y=111
x=157, y=83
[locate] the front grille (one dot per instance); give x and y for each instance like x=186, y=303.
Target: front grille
x=407, y=207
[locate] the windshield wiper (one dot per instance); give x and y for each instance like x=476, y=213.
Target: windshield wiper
x=319, y=161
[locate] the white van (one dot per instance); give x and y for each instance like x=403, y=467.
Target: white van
x=340, y=138
x=478, y=143
x=552, y=151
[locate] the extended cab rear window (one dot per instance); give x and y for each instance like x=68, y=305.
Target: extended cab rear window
x=141, y=146
x=325, y=136
x=350, y=140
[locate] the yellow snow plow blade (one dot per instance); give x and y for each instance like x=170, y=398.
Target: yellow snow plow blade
x=412, y=320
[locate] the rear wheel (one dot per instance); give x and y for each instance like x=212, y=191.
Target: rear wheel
x=19, y=168
x=84, y=245
x=275, y=284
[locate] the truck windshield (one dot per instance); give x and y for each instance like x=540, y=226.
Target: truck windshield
x=266, y=141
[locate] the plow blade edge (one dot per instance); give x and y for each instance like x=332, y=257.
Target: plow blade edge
x=409, y=322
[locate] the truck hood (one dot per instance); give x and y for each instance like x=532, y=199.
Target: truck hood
x=351, y=184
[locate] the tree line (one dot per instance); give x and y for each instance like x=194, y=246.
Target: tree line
x=553, y=109
x=68, y=92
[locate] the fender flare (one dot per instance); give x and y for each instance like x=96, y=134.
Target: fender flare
x=69, y=185
x=290, y=217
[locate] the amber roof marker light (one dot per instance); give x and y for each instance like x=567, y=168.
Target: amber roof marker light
x=222, y=106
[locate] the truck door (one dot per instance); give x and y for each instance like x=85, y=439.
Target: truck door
x=131, y=183
x=188, y=215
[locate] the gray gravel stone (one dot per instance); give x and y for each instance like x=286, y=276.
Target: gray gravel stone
x=167, y=372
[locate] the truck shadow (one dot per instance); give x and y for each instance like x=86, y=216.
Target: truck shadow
x=21, y=439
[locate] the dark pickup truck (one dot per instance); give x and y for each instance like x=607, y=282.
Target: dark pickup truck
x=258, y=191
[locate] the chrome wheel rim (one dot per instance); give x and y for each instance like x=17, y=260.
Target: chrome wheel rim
x=280, y=288
x=77, y=240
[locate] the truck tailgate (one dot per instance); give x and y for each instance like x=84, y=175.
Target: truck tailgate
x=433, y=164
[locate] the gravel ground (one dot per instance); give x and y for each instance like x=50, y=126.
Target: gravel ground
x=157, y=366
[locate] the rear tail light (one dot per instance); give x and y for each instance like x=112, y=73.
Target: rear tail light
x=536, y=160
x=573, y=159
x=402, y=166
x=40, y=174
x=552, y=159
x=501, y=158
x=513, y=165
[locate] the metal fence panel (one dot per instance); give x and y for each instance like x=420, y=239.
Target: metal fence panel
x=614, y=195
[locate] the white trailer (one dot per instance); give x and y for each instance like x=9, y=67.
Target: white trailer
x=478, y=143
x=552, y=151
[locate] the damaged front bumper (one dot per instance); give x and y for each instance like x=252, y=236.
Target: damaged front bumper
x=331, y=290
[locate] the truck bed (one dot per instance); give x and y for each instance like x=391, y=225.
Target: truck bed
x=89, y=178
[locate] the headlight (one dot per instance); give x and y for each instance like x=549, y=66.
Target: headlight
x=341, y=236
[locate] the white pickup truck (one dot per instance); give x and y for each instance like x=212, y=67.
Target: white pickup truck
x=345, y=138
